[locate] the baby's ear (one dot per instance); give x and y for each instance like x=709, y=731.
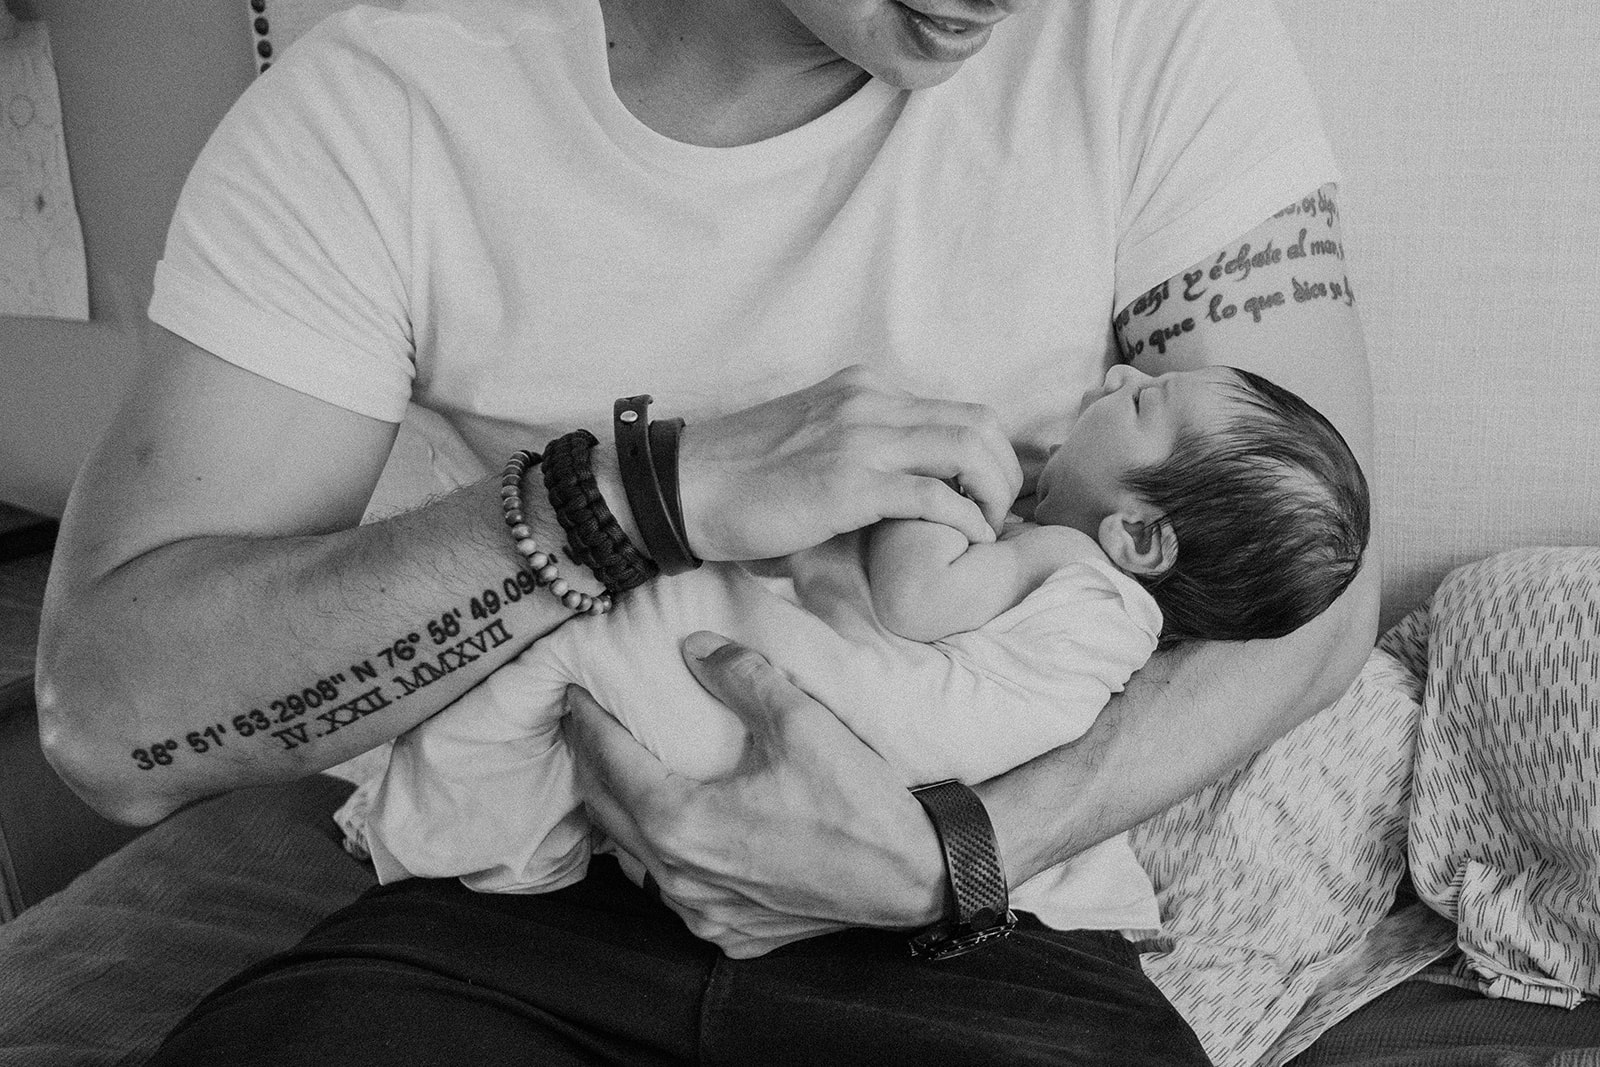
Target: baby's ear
x=1139, y=542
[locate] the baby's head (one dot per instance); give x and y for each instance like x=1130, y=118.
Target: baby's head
x=1232, y=500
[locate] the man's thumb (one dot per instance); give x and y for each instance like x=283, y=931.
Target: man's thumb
x=741, y=678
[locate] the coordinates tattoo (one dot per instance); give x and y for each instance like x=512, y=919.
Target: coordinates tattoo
x=324, y=706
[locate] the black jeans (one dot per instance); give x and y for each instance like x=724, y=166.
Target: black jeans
x=428, y=972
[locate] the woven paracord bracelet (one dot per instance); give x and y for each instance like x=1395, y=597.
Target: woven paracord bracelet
x=594, y=538
x=540, y=564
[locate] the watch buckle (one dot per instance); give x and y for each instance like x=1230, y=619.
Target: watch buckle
x=942, y=942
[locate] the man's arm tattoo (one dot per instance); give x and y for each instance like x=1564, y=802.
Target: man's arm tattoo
x=323, y=706
x=1223, y=291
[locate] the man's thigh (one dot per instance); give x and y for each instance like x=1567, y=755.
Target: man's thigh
x=603, y=973
x=1041, y=996
x=433, y=973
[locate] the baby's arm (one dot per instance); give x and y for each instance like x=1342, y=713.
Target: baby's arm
x=929, y=582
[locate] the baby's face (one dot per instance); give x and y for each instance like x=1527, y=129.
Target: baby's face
x=1134, y=419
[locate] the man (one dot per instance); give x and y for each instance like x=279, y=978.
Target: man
x=485, y=210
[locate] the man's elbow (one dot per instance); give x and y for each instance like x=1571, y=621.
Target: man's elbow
x=83, y=760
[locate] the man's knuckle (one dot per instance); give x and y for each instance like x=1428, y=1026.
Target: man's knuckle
x=738, y=948
x=702, y=928
x=979, y=415
x=851, y=437
x=930, y=494
x=672, y=840
x=754, y=679
x=742, y=665
x=770, y=691
x=662, y=826
x=855, y=406
x=721, y=914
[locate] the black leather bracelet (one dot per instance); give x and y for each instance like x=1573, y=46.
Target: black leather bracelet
x=664, y=435
x=978, y=890
x=641, y=480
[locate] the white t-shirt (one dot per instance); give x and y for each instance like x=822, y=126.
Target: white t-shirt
x=484, y=790
x=449, y=204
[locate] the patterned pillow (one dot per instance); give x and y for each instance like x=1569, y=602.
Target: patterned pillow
x=1505, y=836
x=1271, y=879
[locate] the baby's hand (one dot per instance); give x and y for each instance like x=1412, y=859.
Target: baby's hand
x=1013, y=527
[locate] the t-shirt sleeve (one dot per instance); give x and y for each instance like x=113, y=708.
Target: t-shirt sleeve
x=289, y=251
x=1218, y=131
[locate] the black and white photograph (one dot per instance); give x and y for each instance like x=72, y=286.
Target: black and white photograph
x=531, y=532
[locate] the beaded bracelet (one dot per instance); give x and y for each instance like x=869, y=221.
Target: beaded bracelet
x=594, y=537
x=540, y=564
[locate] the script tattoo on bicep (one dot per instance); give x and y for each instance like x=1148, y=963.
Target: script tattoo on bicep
x=1223, y=291
x=411, y=662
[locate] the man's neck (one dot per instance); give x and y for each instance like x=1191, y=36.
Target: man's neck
x=721, y=73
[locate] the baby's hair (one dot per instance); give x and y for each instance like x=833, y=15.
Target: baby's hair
x=1271, y=514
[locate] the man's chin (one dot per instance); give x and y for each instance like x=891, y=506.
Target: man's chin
x=915, y=76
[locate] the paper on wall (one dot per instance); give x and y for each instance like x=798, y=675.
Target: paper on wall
x=42, y=266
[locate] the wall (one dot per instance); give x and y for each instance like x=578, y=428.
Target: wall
x=142, y=84
x=1467, y=133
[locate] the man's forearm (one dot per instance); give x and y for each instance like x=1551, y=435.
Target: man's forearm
x=1188, y=717
x=212, y=662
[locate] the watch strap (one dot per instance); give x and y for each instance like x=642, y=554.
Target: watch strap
x=978, y=889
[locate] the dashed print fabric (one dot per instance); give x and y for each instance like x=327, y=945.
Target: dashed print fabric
x=1270, y=879
x=1505, y=837
x=1469, y=745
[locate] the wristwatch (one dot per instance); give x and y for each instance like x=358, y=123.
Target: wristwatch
x=972, y=863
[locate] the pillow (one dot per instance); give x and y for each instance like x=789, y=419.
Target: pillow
x=1505, y=839
x=1271, y=879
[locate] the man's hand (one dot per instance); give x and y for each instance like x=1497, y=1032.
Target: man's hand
x=810, y=833
x=790, y=473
